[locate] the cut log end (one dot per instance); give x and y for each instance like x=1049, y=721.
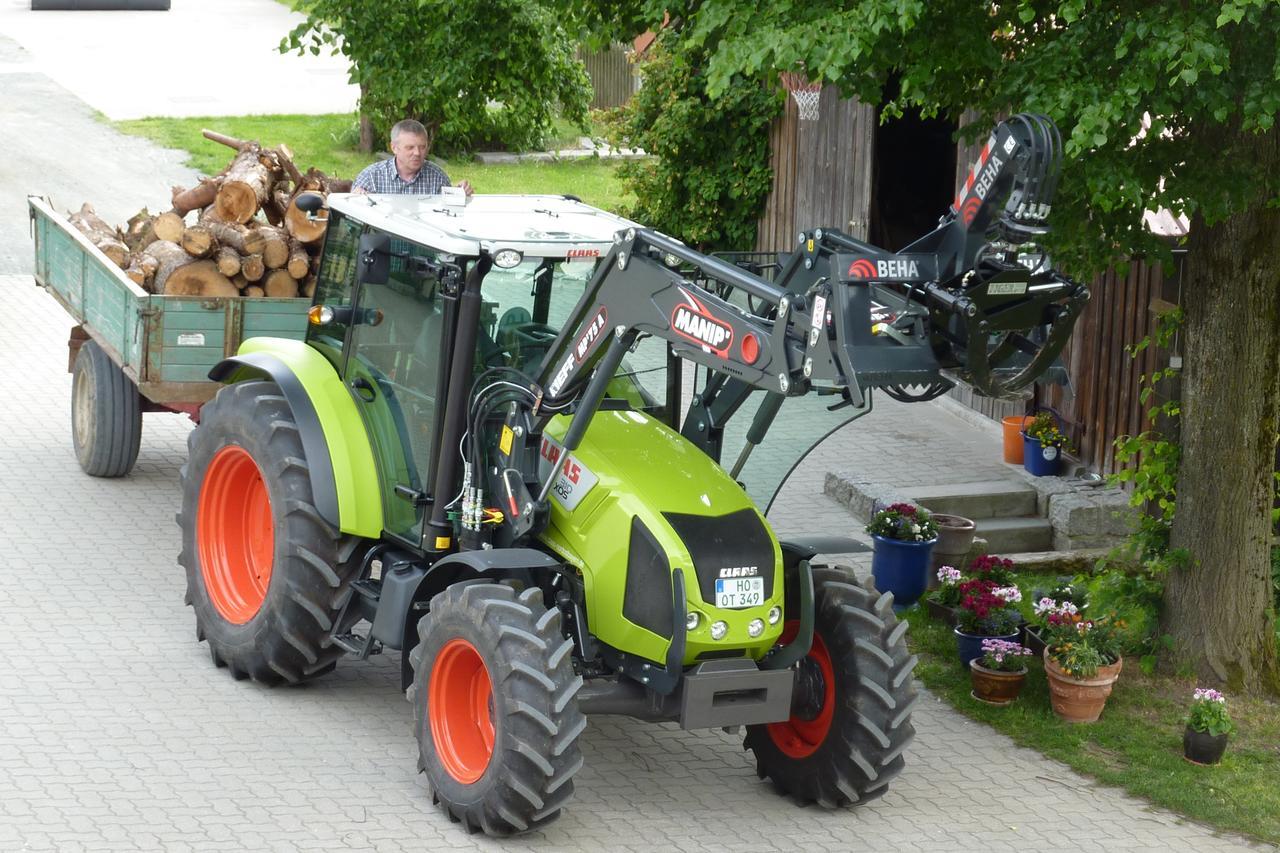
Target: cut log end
x=280, y=284
x=169, y=226
x=199, y=279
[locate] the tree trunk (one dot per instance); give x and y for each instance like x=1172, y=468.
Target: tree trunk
x=169, y=257
x=299, y=261
x=252, y=267
x=1216, y=606
x=367, y=135
x=274, y=246
x=245, y=186
x=100, y=234
x=279, y=283
x=201, y=195
x=254, y=290
x=140, y=232
x=228, y=261
x=199, y=279
x=169, y=226
x=198, y=241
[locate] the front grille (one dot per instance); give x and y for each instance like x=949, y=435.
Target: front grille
x=722, y=542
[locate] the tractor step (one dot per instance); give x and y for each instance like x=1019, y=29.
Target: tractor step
x=357, y=644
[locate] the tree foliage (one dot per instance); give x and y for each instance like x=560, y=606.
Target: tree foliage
x=471, y=70
x=710, y=172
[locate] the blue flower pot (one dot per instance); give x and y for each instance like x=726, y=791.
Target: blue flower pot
x=970, y=645
x=901, y=568
x=1040, y=460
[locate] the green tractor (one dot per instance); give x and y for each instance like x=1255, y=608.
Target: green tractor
x=486, y=456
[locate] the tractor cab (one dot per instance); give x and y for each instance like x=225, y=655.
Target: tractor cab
x=389, y=286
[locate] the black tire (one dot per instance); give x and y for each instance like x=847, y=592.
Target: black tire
x=311, y=565
x=871, y=699
x=106, y=414
x=533, y=711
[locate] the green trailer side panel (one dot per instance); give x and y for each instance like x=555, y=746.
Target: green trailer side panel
x=354, y=469
x=643, y=469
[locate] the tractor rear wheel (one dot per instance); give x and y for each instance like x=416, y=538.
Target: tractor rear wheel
x=495, y=708
x=106, y=414
x=265, y=573
x=851, y=709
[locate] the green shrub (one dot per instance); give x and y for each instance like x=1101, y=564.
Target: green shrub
x=709, y=175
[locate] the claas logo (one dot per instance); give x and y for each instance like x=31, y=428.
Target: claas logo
x=692, y=320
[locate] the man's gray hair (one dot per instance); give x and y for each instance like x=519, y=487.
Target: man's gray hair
x=409, y=126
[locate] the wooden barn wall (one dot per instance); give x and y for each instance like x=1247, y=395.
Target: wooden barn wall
x=821, y=172
x=613, y=78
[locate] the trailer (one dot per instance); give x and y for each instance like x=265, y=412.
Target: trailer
x=131, y=351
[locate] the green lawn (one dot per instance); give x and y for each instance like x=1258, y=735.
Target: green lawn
x=1137, y=745
x=327, y=142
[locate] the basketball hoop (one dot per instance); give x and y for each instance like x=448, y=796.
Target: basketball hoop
x=805, y=93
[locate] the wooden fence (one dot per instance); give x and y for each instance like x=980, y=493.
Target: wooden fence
x=613, y=76
x=821, y=172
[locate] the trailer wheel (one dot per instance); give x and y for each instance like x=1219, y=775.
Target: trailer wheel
x=106, y=414
x=495, y=708
x=851, y=709
x=265, y=573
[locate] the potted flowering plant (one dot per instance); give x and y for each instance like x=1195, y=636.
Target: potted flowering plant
x=1208, y=727
x=992, y=568
x=998, y=675
x=1044, y=442
x=987, y=611
x=942, y=601
x=902, y=536
x=1081, y=659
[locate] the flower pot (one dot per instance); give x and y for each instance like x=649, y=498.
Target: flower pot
x=901, y=568
x=940, y=611
x=993, y=686
x=955, y=538
x=1202, y=747
x=1040, y=460
x=1013, y=427
x=1079, y=700
x=969, y=646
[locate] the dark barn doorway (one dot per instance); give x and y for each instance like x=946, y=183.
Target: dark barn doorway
x=913, y=177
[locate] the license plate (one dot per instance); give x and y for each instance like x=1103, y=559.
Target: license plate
x=739, y=592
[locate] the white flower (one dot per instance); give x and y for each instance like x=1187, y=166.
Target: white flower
x=1010, y=594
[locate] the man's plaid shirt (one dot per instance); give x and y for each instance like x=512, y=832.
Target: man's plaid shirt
x=382, y=177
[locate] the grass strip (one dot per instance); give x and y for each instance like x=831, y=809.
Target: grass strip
x=1137, y=745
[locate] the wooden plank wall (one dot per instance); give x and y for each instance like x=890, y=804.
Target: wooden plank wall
x=613, y=77
x=821, y=172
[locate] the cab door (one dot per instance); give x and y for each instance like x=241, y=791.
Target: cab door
x=392, y=370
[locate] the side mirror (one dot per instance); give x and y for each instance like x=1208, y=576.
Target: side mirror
x=374, y=259
x=310, y=202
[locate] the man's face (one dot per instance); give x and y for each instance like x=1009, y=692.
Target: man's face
x=410, y=150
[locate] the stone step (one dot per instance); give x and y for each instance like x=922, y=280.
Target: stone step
x=1016, y=535
x=992, y=499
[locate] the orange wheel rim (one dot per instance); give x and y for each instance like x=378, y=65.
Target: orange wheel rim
x=460, y=711
x=800, y=738
x=234, y=534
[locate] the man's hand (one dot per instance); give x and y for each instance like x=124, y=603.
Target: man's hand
x=359, y=191
x=465, y=186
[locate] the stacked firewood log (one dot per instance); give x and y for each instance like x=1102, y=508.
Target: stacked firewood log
x=238, y=233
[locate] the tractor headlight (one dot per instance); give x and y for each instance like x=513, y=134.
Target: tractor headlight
x=718, y=630
x=755, y=627
x=691, y=620
x=775, y=613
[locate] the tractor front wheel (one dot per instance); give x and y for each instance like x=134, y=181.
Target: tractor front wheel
x=495, y=708
x=266, y=573
x=851, y=707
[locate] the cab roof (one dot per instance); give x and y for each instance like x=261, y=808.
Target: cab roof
x=544, y=226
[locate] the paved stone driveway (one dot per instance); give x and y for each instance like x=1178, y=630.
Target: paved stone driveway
x=117, y=733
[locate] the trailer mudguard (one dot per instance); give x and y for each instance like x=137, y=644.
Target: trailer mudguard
x=343, y=472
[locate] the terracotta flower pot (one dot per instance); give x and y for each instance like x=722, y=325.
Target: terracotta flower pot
x=1079, y=700
x=993, y=686
x=1202, y=747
